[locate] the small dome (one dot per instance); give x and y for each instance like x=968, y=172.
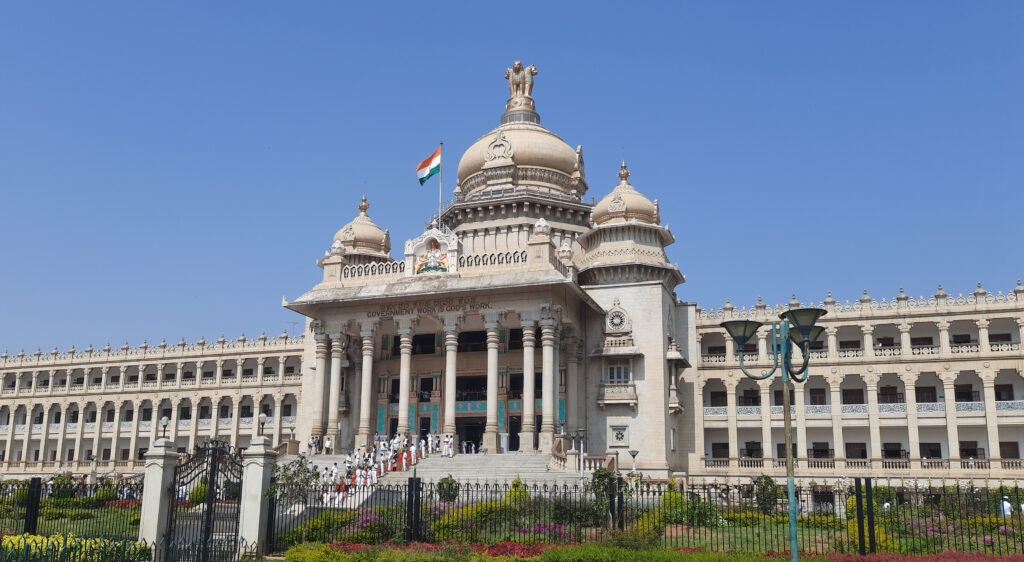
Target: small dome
x=363, y=236
x=625, y=203
x=527, y=144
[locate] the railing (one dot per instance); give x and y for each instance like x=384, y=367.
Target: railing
x=925, y=349
x=205, y=422
x=931, y=407
x=818, y=409
x=1010, y=405
x=716, y=411
x=972, y=464
x=845, y=353
x=748, y=411
x=935, y=464
x=858, y=463
x=964, y=348
x=126, y=425
x=892, y=408
x=223, y=422
x=780, y=410
x=751, y=463
x=896, y=464
x=888, y=351
x=854, y=409
x=1004, y=346
x=970, y=406
x=716, y=462
x=287, y=419
x=714, y=358
x=146, y=424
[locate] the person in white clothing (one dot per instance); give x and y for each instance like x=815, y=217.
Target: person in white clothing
x=1007, y=507
x=334, y=473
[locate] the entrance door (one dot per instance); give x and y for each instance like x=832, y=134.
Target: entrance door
x=424, y=428
x=470, y=430
x=392, y=427
x=515, y=425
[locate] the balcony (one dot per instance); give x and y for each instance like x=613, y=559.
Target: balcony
x=1004, y=347
x=931, y=407
x=712, y=411
x=971, y=406
x=818, y=409
x=888, y=351
x=1010, y=405
x=925, y=349
x=962, y=348
x=780, y=410
x=617, y=394
x=715, y=358
x=748, y=411
x=287, y=419
x=854, y=409
x=892, y=408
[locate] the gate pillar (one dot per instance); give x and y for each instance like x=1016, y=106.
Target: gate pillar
x=257, y=467
x=156, y=490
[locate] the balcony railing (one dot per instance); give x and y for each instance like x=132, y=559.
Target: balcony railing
x=964, y=348
x=931, y=407
x=925, y=349
x=780, y=410
x=854, y=409
x=748, y=411
x=818, y=409
x=710, y=411
x=970, y=406
x=892, y=408
x=1004, y=346
x=1010, y=405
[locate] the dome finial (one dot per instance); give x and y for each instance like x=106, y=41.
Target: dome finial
x=623, y=173
x=363, y=205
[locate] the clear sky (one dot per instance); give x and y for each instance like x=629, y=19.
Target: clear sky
x=172, y=169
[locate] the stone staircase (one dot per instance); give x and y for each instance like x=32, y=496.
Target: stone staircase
x=531, y=468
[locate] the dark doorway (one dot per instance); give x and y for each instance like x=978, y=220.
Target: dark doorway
x=424, y=427
x=470, y=388
x=392, y=427
x=470, y=430
x=515, y=425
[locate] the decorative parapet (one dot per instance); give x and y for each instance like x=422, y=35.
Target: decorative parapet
x=493, y=259
x=617, y=394
x=376, y=272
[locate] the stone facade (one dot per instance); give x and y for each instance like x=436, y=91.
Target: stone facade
x=524, y=314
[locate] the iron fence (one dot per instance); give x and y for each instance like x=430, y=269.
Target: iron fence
x=76, y=549
x=64, y=505
x=748, y=517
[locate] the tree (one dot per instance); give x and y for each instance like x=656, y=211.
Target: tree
x=766, y=493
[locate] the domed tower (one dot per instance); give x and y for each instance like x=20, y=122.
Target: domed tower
x=359, y=242
x=516, y=174
x=626, y=242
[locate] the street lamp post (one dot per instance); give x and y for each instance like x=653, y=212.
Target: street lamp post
x=164, y=422
x=583, y=433
x=633, y=453
x=263, y=421
x=796, y=328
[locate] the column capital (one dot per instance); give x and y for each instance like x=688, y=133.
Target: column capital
x=220, y=362
x=866, y=328
x=948, y=378
x=982, y=323
x=731, y=383
x=942, y=325
x=871, y=379
x=491, y=318
x=988, y=378
x=450, y=322
x=406, y=324
x=904, y=326
x=909, y=379
x=831, y=330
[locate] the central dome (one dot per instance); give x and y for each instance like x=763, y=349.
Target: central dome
x=521, y=152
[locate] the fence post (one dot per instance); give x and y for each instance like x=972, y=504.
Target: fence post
x=157, y=492
x=860, y=518
x=35, y=488
x=620, y=508
x=412, y=510
x=871, y=514
x=257, y=467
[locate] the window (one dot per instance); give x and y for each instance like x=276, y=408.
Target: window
x=886, y=342
x=227, y=373
x=473, y=341
x=110, y=415
x=186, y=413
x=247, y=372
x=1009, y=450
x=890, y=395
x=147, y=414
x=965, y=393
x=204, y=412
x=970, y=450
x=717, y=398
x=999, y=338
x=618, y=436
x=129, y=415
x=719, y=450
x=750, y=348
x=750, y=397
x=165, y=413
x=515, y=338
x=286, y=409
x=961, y=338
x=849, y=344
x=423, y=344
x=246, y=412
x=618, y=373
x=427, y=384
x=817, y=396
x=289, y=370
x=926, y=394
x=1004, y=392
x=925, y=341
x=207, y=374
x=225, y=411
x=716, y=350
x=780, y=450
x=856, y=451
x=853, y=396
x=893, y=451
x=778, y=397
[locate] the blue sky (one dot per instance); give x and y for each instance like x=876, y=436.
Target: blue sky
x=173, y=169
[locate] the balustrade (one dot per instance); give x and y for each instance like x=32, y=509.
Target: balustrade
x=854, y=409
x=710, y=411
x=892, y=408
x=931, y=407
x=748, y=410
x=970, y=406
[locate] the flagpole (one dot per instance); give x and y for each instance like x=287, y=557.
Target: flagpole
x=440, y=181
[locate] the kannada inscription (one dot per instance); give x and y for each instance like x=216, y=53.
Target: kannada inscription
x=428, y=307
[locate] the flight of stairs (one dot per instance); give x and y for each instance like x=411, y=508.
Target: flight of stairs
x=531, y=468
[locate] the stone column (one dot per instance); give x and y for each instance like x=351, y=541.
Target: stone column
x=9, y=446
x=698, y=419
x=115, y=434
x=366, y=388
x=97, y=431
x=838, y=445
x=952, y=431
x=103, y=378
x=63, y=429
x=875, y=447
x=193, y=430
x=334, y=394
x=766, y=417
x=730, y=349
x=913, y=437
x=762, y=345
x=172, y=426
x=404, y=373
x=259, y=369
x=867, y=333
x=527, y=435
x=944, y=339
x=988, y=381
x=906, y=349
x=1020, y=330
x=730, y=406
x=160, y=460
x=257, y=467
x=46, y=434
x=491, y=443
x=451, y=351
x=982, y=335
x=220, y=371
x=79, y=432
x=278, y=422
x=235, y=420
x=801, y=425
x=572, y=418
x=547, y=423
x=177, y=373
x=833, y=347
x=316, y=410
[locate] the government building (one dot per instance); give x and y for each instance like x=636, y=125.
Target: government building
x=524, y=313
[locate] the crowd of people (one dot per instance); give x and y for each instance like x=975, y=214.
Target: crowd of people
x=364, y=467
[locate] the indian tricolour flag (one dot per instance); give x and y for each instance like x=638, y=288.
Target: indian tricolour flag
x=430, y=166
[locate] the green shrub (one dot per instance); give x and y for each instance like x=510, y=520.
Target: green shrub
x=766, y=494
x=310, y=552
x=198, y=494
x=673, y=504
x=81, y=515
x=20, y=497
x=52, y=513
x=586, y=514
x=104, y=494
x=326, y=527
x=62, y=486
x=517, y=492
x=232, y=490
x=135, y=519
x=448, y=489
x=747, y=518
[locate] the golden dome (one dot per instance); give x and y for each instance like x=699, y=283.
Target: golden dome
x=625, y=203
x=363, y=236
x=526, y=144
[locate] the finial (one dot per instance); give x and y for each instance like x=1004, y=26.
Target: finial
x=363, y=205
x=623, y=173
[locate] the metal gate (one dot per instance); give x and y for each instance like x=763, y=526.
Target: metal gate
x=203, y=521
